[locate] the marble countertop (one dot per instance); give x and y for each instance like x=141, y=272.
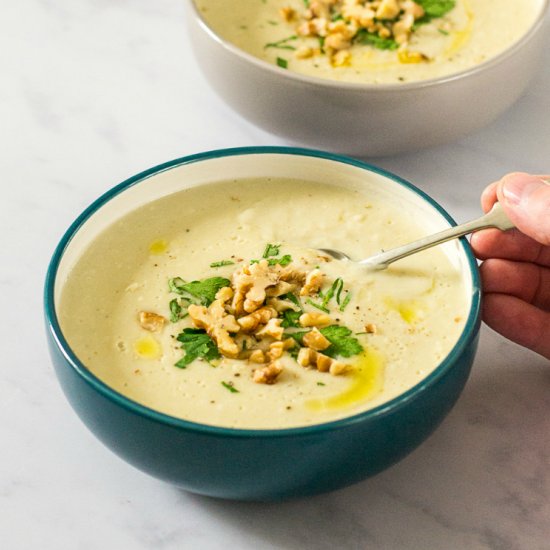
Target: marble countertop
x=95, y=91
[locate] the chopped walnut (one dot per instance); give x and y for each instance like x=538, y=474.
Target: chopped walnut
x=308, y=357
x=314, y=319
x=224, y=294
x=272, y=328
x=389, y=19
x=261, y=316
x=315, y=340
x=287, y=13
x=314, y=281
x=151, y=321
x=371, y=328
x=218, y=324
x=267, y=374
x=257, y=356
x=250, y=283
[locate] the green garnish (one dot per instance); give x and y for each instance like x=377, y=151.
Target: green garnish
x=368, y=38
x=283, y=63
x=230, y=386
x=222, y=263
x=342, y=343
x=196, y=344
x=318, y=306
x=204, y=291
x=177, y=312
x=298, y=335
x=285, y=260
x=321, y=384
x=290, y=318
x=271, y=250
x=434, y=9
x=346, y=301
x=282, y=44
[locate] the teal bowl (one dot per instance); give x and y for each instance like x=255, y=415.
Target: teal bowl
x=243, y=464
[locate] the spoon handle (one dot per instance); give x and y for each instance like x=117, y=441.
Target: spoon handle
x=496, y=217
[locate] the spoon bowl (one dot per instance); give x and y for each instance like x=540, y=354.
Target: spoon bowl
x=496, y=217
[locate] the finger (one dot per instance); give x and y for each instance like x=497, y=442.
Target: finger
x=489, y=196
x=528, y=282
x=518, y=321
x=511, y=245
x=526, y=200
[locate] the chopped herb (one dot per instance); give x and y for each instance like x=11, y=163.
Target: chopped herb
x=274, y=23
x=196, y=344
x=271, y=250
x=175, y=284
x=222, y=263
x=283, y=63
x=293, y=298
x=298, y=335
x=318, y=306
x=321, y=384
x=434, y=9
x=230, y=386
x=443, y=31
x=177, y=312
x=346, y=301
x=342, y=343
x=290, y=318
x=368, y=38
x=284, y=260
x=282, y=44
x=204, y=291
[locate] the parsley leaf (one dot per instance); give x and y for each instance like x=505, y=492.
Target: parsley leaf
x=222, y=263
x=230, y=386
x=368, y=38
x=284, y=260
x=434, y=9
x=271, y=250
x=283, y=63
x=196, y=343
x=342, y=343
x=177, y=312
x=204, y=290
x=290, y=318
x=282, y=44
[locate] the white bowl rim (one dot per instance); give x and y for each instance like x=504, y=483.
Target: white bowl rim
x=387, y=87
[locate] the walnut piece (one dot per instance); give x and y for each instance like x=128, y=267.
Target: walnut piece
x=308, y=357
x=267, y=374
x=314, y=319
x=315, y=340
x=314, y=281
x=153, y=322
x=218, y=324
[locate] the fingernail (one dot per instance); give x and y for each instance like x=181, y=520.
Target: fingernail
x=517, y=188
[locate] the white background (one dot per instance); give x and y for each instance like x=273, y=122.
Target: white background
x=94, y=91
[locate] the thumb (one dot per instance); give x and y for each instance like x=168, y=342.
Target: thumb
x=526, y=200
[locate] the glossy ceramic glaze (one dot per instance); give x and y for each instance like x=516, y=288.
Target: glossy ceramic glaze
x=254, y=464
x=365, y=120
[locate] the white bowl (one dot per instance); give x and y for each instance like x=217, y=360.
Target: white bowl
x=365, y=119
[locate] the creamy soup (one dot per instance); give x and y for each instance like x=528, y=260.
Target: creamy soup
x=164, y=305
x=386, y=41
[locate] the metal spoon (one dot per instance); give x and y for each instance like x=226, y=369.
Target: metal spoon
x=494, y=218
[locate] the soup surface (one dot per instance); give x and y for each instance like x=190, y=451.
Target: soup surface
x=386, y=41
x=165, y=306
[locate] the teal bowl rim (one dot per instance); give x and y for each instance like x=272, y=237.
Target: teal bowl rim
x=390, y=407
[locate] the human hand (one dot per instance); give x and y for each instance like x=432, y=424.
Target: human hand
x=515, y=272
